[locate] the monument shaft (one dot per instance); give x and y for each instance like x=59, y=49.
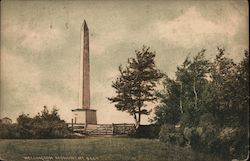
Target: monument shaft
x=84, y=94
x=83, y=114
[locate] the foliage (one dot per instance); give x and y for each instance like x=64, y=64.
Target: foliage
x=147, y=131
x=136, y=84
x=8, y=131
x=45, y=125
x=171, y=135
x=168, y=111
x=209, y=101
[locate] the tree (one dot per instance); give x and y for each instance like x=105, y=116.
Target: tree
x=215, y=99
x=136, y=84
x=184, y=95
x=223, y=74
x=242, y=87
x=49, y=125
x=169, y=109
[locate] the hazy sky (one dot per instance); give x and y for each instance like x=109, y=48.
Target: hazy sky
x=40, y=46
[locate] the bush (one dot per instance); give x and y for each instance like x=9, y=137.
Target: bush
x=9, y=131
x=4, y=131
x=147, y=131
x=226, y=142
x=171, y=135
x=45, y=125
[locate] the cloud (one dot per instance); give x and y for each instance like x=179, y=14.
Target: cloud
x=21, y=88
x=19, y=82
x=36, y=38
x=16, y=71
x=192, y=29
x=107, y=37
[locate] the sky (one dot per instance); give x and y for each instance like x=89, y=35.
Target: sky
x=40, y=47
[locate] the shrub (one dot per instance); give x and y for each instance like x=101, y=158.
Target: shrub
x=147, y=131
x=171, y=135
x=45, y=125
x=9, y=131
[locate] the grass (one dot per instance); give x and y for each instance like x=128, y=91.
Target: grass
x=96, y=149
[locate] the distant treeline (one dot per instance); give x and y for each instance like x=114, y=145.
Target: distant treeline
x=45, y=125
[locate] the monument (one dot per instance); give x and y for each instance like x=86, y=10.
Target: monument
x=83, y=114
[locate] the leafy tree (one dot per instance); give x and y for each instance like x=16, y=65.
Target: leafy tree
x=223, y=85
x=48, y=124
x=136, y=84
x=193, y=76
x=25, y=124
x=169, y=110
x=242, y=87
x=212, y=112
x=184, y=95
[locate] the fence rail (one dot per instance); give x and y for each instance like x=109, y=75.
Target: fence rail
x=103, y=129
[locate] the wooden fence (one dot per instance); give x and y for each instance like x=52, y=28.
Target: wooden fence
x=120, y=129
x=103, y=129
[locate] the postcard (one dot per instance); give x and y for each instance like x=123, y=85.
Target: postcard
x=124, y=80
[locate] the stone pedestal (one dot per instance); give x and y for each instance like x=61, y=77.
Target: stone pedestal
x=84, y=116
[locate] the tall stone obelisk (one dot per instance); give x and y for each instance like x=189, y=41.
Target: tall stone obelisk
x=84, y=90
x=83, y=114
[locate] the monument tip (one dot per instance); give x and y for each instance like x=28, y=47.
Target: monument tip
x=84, y=23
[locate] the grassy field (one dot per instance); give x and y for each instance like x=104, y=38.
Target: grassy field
x=96, y=148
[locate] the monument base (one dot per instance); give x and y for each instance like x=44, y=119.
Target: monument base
x=84, y=116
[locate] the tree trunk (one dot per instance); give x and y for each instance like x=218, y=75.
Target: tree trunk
x=195, y=94
x=180, y=98
x=136, y=121
x=139, y=117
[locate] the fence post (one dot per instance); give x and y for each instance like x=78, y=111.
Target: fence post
x=112, y=128
x=124, y=130
x=72, y=120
